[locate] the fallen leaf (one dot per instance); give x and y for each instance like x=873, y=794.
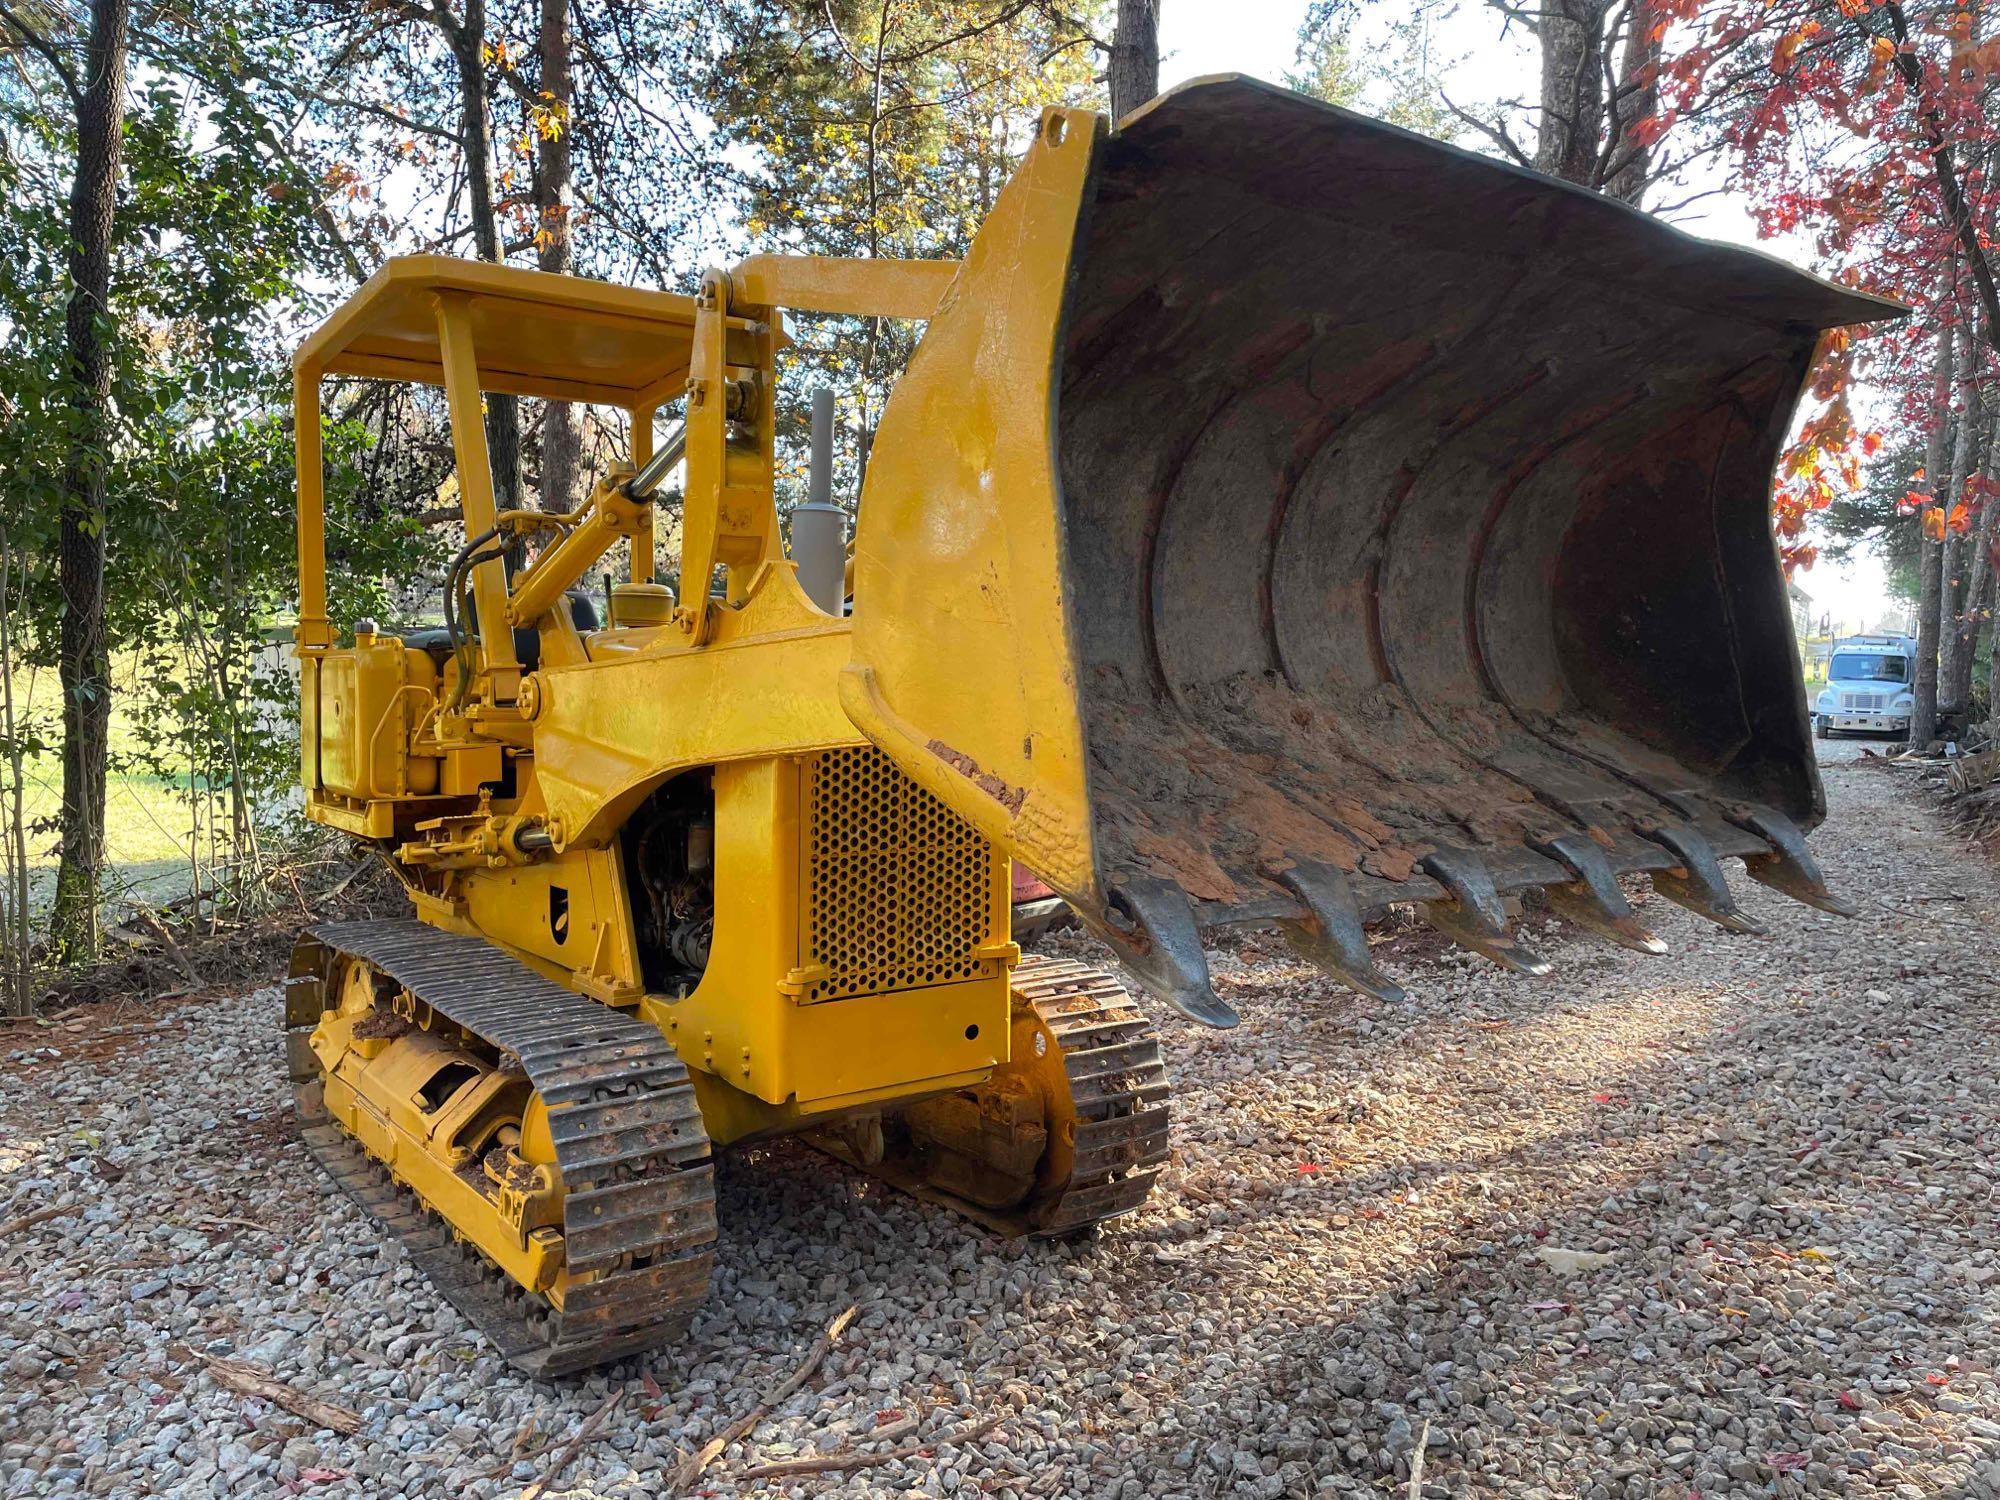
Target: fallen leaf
x=1851, y=1401
x=1786, y=1463
x=1734, y=1312
x=322, y=1476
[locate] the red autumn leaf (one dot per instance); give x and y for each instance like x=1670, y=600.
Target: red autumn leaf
x=1600, y=1098
x=1960, y=519
x=1934, y=1378
x=1850, y=1401
x=1308, y=1167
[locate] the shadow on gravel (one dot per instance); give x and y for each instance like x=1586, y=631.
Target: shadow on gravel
x=1740, y=1339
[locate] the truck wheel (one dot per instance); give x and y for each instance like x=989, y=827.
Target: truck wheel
x=1820, y=730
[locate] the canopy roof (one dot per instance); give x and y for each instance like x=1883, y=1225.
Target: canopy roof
x=534, y=334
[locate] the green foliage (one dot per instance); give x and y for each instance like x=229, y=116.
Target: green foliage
x=1872, y=519
x=1329, y=69
x=218, y=253
x=882, y=131
x=1400, y=83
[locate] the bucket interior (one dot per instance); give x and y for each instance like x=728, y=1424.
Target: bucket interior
x=1411, y=501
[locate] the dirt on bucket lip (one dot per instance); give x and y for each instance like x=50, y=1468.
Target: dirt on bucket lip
x=1710, y=1224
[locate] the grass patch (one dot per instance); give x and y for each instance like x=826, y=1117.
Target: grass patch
x=148, y=819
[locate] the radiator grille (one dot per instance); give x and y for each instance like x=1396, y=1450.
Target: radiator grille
x=899, y=888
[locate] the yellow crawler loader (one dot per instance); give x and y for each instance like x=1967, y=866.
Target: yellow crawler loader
x=1282, y=517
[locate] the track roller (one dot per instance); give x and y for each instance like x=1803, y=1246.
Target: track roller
x=1070, y=1132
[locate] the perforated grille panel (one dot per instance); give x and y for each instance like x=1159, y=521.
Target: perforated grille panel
x=898, y=887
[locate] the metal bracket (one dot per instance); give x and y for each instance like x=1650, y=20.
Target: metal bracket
x=1474, y=917
x=1699, y=884
x=1330, y=934
x=1789, y=869
x=1593, y=900
x=1163, y=949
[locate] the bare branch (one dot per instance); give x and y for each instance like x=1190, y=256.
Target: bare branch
x=1493, y=130
x=1962, y=223
x=1529, y=18
x=41, y=44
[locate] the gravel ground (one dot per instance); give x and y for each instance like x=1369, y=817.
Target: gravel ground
x=1719, y=1223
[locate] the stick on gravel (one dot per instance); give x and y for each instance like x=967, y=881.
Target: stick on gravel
x=691, y=1470
x=713, y=1449
x=570, y=1449
x=840, y=1463
x=254, y=1380
x=37, y=1216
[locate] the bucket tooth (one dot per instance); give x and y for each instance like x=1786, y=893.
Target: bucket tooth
x=1161, y=948
x=1593, y=900
x=1699, y=885
x=1330, y=934
x=1789, y=869
x=1473, y=917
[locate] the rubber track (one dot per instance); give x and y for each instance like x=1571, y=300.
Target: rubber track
x=639, y=1205
x=1118, y=1083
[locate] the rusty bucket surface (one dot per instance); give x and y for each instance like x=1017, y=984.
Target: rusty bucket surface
x=1412, y=515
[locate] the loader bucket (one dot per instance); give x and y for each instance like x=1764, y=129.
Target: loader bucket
x=1285, y=516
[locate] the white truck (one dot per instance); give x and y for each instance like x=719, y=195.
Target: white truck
x=1868, y=686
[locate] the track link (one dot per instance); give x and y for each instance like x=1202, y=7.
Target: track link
x=1118, y=1084
x=639, y=1206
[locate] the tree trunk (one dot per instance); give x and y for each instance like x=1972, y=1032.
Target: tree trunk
x=1930, y=556
x=1993, y=666
x=1978, y=609
x=503, y=413
x=1951, y=566
x=1975, y=563
x=1572, y=94
x=562, y=424
x=13, y=830
x=1629, y=168
x=1135, y=56
x=84, y=666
